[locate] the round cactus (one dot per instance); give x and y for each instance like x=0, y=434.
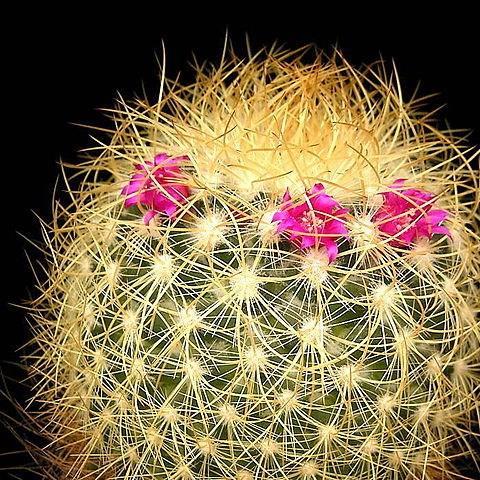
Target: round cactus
x=269, y=273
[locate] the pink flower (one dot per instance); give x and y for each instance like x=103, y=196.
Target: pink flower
x=315, y=222
x=158, y=186
x=407, y=214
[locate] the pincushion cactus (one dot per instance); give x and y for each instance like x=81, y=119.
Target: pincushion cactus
x=269, y=273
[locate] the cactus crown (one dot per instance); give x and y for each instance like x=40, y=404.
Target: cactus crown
x=263, y=320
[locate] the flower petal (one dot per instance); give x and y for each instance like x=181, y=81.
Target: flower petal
x=149, y=215
x=323, y=203
x=335, y=227
x=286, y=197
x=437, y=216
x=441, y=230
x=307, y=241
x=332, y=250
x=317, y=189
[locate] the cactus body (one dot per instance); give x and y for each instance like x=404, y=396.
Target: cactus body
x=207, y=343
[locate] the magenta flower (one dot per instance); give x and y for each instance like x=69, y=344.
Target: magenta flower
x=315, y=222
x=159, y=186
x=407, y=214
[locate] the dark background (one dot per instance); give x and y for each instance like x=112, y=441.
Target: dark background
x=62, y=63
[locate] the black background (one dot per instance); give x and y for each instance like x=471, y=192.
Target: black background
x=62, y=63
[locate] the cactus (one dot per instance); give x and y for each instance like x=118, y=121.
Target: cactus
x=270, y=273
